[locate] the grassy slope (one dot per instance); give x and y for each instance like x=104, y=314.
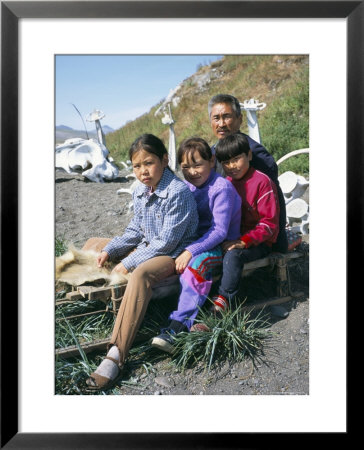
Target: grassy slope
x=280, y=81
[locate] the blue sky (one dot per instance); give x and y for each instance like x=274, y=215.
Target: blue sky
x=122, y=86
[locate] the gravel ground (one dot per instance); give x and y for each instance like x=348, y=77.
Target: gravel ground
x=282, y=369
x=85, y=209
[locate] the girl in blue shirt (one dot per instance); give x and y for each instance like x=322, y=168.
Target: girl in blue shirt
x=164, y=223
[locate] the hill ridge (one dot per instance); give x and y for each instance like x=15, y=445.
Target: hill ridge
x=280, y=81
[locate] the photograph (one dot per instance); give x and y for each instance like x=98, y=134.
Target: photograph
x=181, y=198
x=235, y=130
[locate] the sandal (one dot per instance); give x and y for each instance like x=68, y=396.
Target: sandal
x=97, y=382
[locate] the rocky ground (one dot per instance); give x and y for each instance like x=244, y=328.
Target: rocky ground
x=85, y=209
x=282, y=369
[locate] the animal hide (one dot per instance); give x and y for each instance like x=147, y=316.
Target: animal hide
x=76, y=267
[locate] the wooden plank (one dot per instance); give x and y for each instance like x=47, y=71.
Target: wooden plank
x=83, y=315
x=117, y=291
x=88, y=293
x=84, y=290
x=64, y=302
x=105, y=293
x=270, y=260
x=97, y=345
x=101, y=344
x=263, y=262
x=72, y=351
x=272, y=301
x=73, y=296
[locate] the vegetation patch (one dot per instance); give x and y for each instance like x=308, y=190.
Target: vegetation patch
x=235, y=336
x=60, y=245
x=280, y=81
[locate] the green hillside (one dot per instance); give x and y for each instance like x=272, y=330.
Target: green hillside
x=280, y=81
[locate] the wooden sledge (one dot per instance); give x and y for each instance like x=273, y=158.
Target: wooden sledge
x=277, y=262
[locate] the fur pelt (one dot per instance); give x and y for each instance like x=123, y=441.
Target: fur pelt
x=76, y=267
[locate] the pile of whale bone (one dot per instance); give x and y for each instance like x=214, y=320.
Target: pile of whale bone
x=294, y=188
x=90, y=157
x=87, y=157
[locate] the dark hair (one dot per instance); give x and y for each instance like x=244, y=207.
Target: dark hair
x=231, y=146
x=192, y=144
x=225, y=98
x=150, y=144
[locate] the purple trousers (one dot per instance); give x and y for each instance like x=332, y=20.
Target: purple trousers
x=196, y=282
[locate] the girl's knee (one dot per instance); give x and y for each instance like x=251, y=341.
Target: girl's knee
x=96, y=244
x=137, y=274
x=156, y=268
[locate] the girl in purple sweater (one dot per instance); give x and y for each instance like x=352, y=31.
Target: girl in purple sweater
x=219, y=210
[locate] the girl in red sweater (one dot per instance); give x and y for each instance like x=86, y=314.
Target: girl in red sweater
x=259, y=215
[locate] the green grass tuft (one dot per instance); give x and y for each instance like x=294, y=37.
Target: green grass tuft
x=232, y=338
x=60, y=245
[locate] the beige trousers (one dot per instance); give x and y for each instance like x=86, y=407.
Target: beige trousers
x=96, y=244
x=136, y=297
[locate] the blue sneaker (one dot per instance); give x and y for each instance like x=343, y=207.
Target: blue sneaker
x=164, y=341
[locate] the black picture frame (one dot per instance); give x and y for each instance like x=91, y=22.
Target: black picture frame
x=11, y=12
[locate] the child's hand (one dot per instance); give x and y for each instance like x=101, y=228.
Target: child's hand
x=120, y=269
x=182, y=261
x=102, y=258
x=229, y=245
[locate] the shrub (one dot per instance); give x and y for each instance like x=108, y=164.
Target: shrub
x=233, y=337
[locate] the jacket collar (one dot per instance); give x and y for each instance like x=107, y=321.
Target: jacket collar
x=162, y=187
